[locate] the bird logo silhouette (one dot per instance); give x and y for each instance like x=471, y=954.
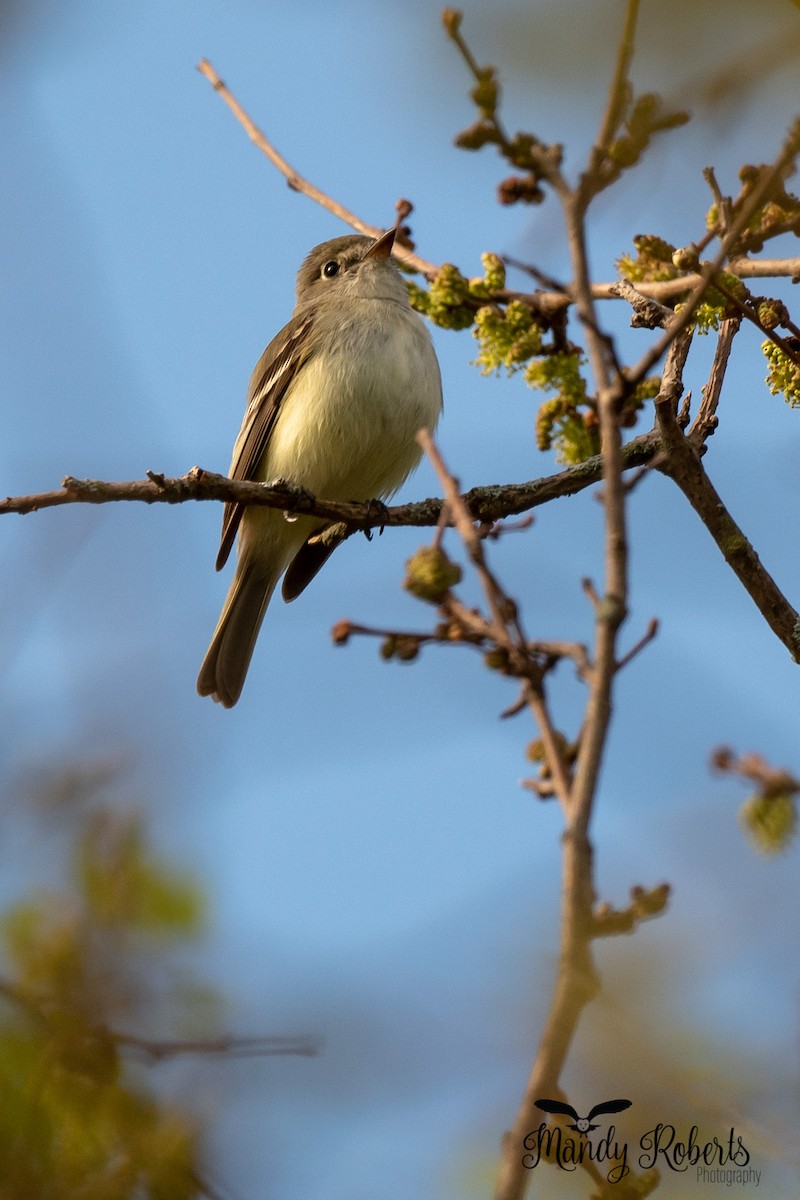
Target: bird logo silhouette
x=582, y=1124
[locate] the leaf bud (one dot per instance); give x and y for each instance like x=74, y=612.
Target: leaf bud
x=430, y=574
x=486, y=91
x=770, y=821
x=451, y=19
x=476, y=136
x=686, y=258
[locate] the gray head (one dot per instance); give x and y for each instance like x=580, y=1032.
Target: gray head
x=350, y=266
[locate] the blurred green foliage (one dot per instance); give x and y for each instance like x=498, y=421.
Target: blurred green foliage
x=76, y=1121
x=770, y=820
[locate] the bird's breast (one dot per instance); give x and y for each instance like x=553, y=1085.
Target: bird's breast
x=347, y=424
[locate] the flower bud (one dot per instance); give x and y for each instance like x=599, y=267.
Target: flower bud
x=430, y=574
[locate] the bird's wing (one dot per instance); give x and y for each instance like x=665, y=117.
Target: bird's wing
x=310, y=558
x=273, y=373
x=610, y=1106
x=557, y=1106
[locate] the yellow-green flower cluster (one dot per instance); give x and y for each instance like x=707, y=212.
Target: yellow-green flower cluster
x=707, y=316
x=770, y=820
x=453, y=299
x=772, y=313
x=653, y=260
x=447, y=301
x=783, y=375
x=430, y=574
x=715, y=305
x=559, y=372
x=507, y=339
x=559, y=422
x=574, y=436
x=493, y=279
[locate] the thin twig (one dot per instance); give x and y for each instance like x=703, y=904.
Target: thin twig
x=464, y=523
x=681, y=463
x=156, y=1050
x=615, y=107
x=637, y=647
x=295, y=180
x=670, y=289
x=749, y=313
x=504, y=624
x=228, y=1046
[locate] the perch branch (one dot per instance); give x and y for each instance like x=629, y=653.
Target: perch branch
x=486, y=504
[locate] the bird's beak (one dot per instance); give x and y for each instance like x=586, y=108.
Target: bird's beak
x=383, y=247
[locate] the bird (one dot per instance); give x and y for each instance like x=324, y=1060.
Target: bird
x=333, y=406
x=582, y=1124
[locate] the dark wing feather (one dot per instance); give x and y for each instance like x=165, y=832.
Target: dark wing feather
x=610, y=1106
x=556, y=1106
x=310, y=558
x=273, y=373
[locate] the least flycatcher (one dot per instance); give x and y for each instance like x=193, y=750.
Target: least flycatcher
x=333, y=406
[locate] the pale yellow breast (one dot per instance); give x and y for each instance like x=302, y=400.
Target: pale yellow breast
x=347, y=424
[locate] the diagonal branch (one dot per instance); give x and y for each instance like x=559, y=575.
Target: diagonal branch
x=681, y=463
x=504, y=623
x=296, y=180
x=547, y=301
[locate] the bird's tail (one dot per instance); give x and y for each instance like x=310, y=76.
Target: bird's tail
x=224, y=668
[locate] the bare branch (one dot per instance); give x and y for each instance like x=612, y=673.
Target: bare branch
x=545, y=301
x=681, y=463
x=228, y=1046
x=705, y=422
x=615, y=105
x=486, y=504
x=296, y=181
x=644, y=640
x=504, y=624
x=576, y=981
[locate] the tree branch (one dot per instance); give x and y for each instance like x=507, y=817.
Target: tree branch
x=681, y=463
x=151, y=1050
x=705, y=422
x=489, y=503
x=296, y=180
x=769, y=177
x=504, y=625
x=615, y=106
x=546, y=301
x=577, y=982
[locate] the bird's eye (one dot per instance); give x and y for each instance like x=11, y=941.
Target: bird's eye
x=330, y=269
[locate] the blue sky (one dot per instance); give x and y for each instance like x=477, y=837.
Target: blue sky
x=375, y=872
